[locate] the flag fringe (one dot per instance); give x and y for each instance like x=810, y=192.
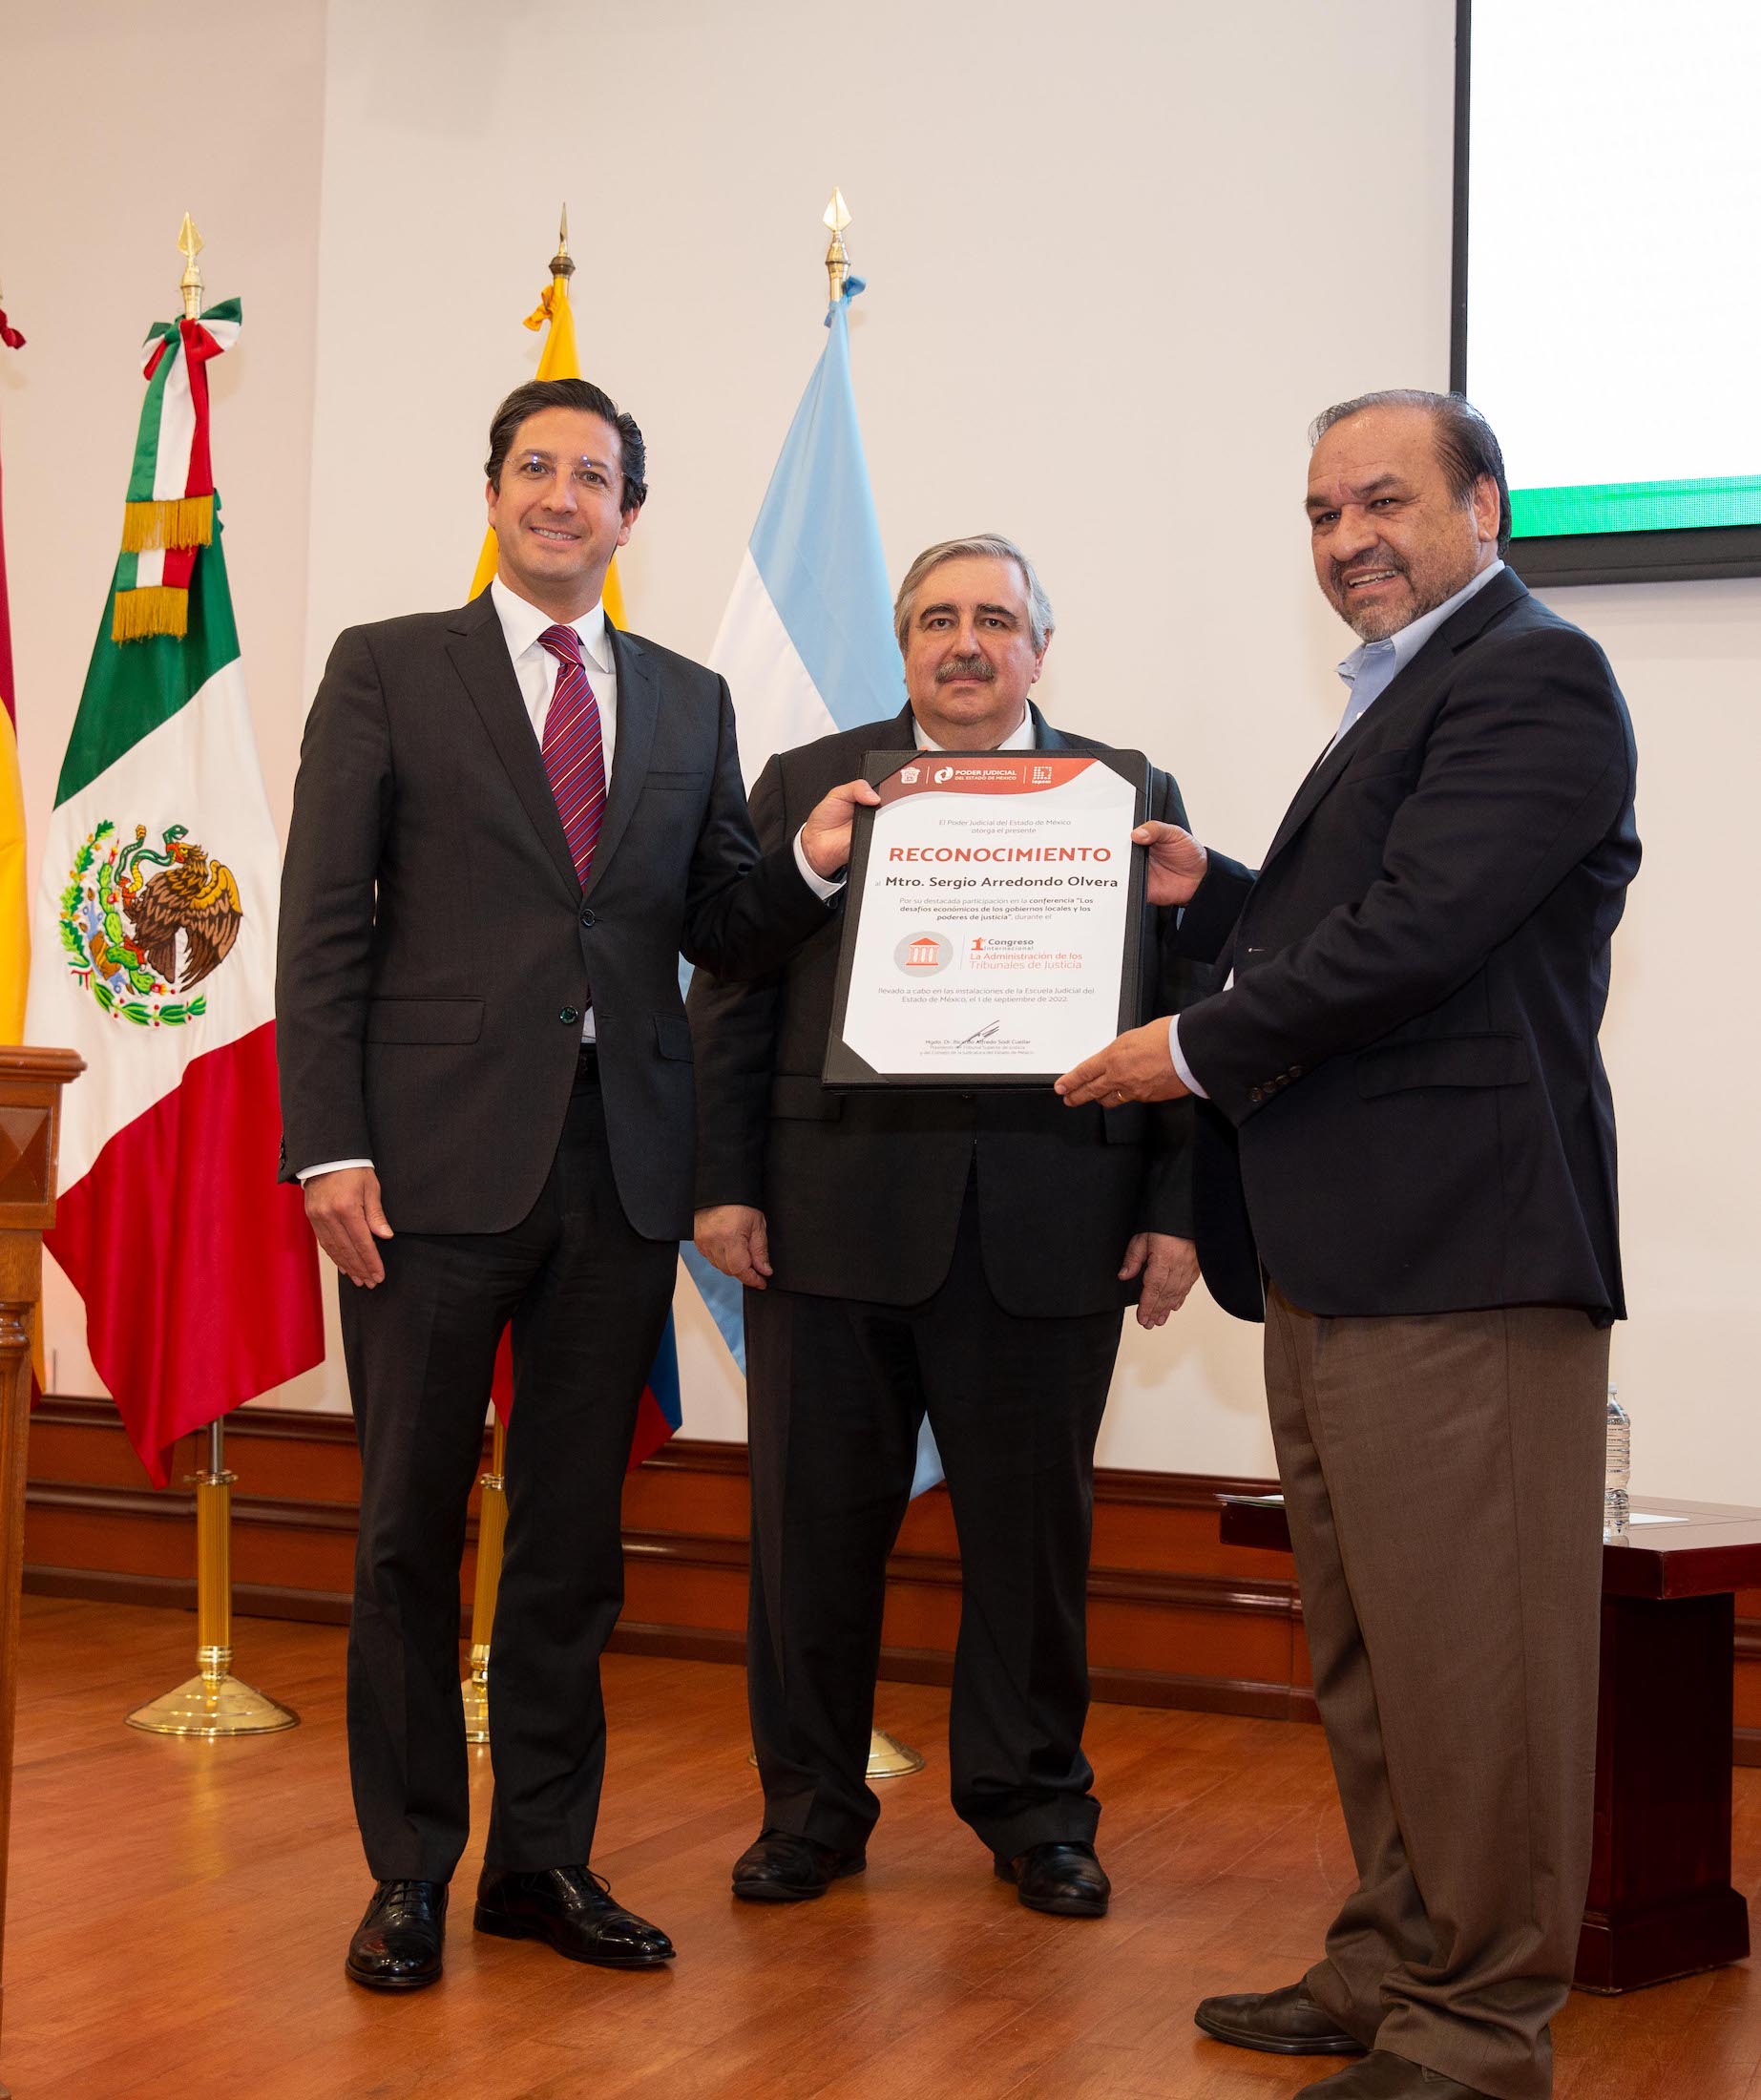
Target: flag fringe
x=179, y=521
x=157, y=610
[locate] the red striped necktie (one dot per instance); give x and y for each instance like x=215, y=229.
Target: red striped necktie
x=574, y=749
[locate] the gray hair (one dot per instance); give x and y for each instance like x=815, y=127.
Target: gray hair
x=984, y=547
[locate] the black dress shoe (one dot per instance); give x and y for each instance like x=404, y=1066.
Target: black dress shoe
x=1285, y=2023
x=782, y=1868
x=573, y=1910
x=1384, y=2076
x=1066, y=1880
x=397, y=1944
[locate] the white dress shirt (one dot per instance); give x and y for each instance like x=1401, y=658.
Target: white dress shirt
x=1020, y=739
x=535, y=668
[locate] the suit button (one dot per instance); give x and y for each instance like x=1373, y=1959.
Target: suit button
x=1295, y=1072
x=586, y=918
x=1255, y=1094
x=569, y=1016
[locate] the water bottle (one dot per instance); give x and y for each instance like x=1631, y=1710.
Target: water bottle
x=1620, y=1468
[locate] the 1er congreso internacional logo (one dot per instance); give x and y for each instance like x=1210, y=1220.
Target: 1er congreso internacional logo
x=142, y=926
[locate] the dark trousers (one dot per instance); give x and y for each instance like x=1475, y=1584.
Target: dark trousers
x=836, y=1390
x=587, y=1298
x=1442, y=1477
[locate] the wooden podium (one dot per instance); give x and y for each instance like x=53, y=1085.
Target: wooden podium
x=30, y=1084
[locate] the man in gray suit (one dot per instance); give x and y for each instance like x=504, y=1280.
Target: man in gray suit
x=510, y=821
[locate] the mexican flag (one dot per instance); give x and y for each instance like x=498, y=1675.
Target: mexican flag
x=155, y=958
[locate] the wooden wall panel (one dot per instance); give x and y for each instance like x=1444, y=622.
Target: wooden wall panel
x=1176, y=1618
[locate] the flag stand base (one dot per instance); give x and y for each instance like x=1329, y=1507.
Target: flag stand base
x=214, y=1705
x=889, y=1758
x=492, y=1533
x=213, y=1702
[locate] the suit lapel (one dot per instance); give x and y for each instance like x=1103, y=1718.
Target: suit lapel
x=479, y=653
x=1045, y=737
x=1415, y=681
x=904, y=726
x=639, y=705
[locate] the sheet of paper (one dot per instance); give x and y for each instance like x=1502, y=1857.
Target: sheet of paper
x=993, y=927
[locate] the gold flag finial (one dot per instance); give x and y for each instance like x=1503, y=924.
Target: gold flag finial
x=190, y=246
x=562, y=263
x=836, y=215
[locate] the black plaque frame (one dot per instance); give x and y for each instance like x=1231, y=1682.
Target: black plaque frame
x=843, y=1067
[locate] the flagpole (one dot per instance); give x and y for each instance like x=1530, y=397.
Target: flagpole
x=492, y=1483
x=213, y=1702
x=836, y=215
x=492, y=1533
x=889, y=1758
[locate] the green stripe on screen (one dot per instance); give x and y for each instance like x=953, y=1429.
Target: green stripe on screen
x=1636, y=506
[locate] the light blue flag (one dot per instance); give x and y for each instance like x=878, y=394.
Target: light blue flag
x=807, y=642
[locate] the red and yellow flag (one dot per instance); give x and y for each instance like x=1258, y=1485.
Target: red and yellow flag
x=559, y=360
x=14, y=894
x=658, y=1415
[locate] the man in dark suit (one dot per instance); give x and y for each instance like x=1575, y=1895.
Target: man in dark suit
x=1409, y=1132
x=507, y=823
x=967, y=1256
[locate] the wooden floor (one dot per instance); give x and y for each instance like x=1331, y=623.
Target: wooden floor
x=179, y=1911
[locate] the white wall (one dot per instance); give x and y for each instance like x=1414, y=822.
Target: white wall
x=1117, y=258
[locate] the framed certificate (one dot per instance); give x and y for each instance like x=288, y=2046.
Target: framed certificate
x=994, y=923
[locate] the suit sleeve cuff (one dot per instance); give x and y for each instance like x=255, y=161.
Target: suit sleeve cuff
x=824, y=891
x=329, y=1166
x=1188, y=1079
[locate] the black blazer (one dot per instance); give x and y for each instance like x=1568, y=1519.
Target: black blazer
x=862, y=1191
x=1409, y=1112
x=436, y=948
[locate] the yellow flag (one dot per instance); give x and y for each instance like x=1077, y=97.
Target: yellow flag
x=560, y=360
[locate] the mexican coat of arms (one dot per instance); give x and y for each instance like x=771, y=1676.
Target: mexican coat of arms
x=142, y=926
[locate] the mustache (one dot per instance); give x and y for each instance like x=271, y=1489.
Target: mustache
x=971, y=667
x=1378, y=557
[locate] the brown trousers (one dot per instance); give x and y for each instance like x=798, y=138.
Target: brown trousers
x=1442, y=1476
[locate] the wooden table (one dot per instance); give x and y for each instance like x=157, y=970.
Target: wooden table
x=1660, y=1901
